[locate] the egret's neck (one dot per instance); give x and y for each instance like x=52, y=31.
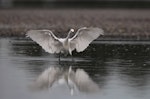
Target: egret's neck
x=68, y=36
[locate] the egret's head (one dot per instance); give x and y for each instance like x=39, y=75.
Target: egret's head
x=69, y=33
x=72, y=30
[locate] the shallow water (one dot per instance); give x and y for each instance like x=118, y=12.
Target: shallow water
x=121, y=69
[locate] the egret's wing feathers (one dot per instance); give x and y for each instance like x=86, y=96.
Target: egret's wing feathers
x=46, y=39
x=84, y=82
x=84, y=37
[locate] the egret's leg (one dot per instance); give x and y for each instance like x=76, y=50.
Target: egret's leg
x=73, y=61
x=59, y=59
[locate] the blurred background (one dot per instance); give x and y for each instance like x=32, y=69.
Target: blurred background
x=123, y=18
x=76, y=3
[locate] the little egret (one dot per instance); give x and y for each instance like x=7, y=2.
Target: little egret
x=51, y=44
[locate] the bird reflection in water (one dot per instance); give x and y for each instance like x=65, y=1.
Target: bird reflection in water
x=76, y=80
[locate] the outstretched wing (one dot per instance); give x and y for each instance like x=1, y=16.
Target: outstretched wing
x=46, y=39
x=84, y=37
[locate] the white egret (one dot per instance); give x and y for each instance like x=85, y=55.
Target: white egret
x=51, y=44
x=79, y=80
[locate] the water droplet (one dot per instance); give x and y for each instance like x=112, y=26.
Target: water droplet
x=135, y=53
x=144, y=64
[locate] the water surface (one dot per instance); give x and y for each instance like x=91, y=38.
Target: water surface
x=121, y=69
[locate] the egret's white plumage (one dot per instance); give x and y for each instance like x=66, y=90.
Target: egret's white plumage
x=79, y=80
x=50, y=43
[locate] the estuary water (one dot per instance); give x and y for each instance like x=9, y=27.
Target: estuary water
x=121, y=69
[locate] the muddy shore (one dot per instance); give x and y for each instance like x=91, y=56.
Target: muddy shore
x=115, y=22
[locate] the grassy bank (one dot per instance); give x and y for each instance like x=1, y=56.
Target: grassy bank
x=115, y=22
